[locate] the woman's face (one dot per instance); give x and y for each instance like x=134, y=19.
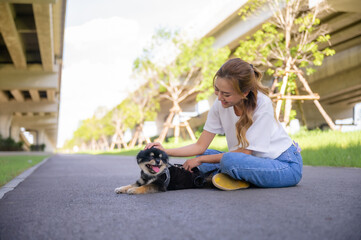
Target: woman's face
x=227, y=95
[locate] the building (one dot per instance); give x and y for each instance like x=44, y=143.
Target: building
x=31, y=52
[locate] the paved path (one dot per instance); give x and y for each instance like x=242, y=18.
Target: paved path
x=71, y=197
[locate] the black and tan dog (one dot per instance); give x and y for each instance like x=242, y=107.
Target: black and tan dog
x=157, y=175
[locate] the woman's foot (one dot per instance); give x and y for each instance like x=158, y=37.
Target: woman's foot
x=225, y=182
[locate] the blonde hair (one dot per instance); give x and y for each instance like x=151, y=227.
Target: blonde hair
x=244, y=78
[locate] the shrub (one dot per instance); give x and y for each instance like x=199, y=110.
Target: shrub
x=37, y=147
x=9, y=144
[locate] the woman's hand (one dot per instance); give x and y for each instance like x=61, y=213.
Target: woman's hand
x=156, y=145
x=191, y=163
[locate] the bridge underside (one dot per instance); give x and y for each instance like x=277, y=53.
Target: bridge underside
x=31, y=49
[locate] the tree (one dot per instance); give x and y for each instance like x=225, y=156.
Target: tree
x=124, y=116
x=146, y=105
x=106, y=129
x=187, y=70
x=288, y=46
x=93, y=133
x=88, y=133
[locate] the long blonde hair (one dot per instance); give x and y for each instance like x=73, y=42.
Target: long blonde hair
x=244, y=78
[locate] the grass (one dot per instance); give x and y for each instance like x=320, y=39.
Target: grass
x=319, y=148
x=330, y=148
x=12, y=166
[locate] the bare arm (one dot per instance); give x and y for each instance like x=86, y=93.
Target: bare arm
x=190, y=150
x=195, y=149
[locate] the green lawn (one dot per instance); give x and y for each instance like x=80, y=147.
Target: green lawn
x=330, y=148
x=11, y=166
x=319, y=148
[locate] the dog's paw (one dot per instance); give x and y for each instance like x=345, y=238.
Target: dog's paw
x=123, y=189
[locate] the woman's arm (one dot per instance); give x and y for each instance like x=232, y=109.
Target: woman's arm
x=190, y=150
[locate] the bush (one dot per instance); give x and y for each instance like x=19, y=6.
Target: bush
x=37, y=147
x=9, y=144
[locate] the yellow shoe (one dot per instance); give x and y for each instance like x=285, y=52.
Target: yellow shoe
x=225, y=182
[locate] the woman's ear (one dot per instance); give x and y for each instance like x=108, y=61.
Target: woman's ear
x=245, y=94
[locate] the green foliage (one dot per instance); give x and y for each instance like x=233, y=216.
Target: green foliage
x=293, y=114
x=37, y=147
x=291, y=83
x=9, y=144
x=209, y=60
x=251, y=7
x=268, y=47
x=86, y=130
x=288, y=43
x=199, y=131
x=128, y=112
x=189, y=57
x=259, y=46
x=146, y=102
x=329, y=52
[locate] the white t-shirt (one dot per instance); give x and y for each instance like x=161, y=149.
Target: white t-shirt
x=266, y=136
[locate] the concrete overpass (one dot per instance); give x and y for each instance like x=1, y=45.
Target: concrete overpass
x=31, y=52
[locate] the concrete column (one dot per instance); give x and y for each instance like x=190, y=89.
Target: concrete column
x=15, y=132
x=5, y=123
x=41, y=136
x=43, y=139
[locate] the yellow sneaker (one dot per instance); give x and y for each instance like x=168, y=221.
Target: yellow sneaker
x=225, y=182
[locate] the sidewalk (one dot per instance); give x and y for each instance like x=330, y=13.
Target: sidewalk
x=72, y=197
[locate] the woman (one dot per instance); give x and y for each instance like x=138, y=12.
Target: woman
x=260, y=151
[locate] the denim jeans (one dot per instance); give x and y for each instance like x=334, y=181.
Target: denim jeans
x=284, y=171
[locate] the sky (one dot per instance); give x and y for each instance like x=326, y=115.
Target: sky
x=103, y=38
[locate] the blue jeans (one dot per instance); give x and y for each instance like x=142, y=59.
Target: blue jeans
x=284, y=171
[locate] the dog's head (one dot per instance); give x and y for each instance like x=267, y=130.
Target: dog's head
x=152, y=161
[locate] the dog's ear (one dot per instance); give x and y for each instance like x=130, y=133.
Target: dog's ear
x=140, y=156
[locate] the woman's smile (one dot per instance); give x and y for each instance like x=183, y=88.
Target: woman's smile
x=224, y=102
x=226, y=94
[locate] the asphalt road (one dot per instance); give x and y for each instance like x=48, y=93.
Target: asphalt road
x=72, y=197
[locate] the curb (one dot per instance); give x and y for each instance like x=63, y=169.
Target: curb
x=21, y=177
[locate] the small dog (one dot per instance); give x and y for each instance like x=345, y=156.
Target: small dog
x=158, y=175
x=154, y=175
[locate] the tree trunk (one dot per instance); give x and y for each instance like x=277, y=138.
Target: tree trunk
x=175, y=114
x=176, y=128
x=190, y=131
x=134, y=139
x=166, y=126
x=300, y=107
x=283, y=87
x=122, y=140
x=316, y=102
x=103, y=143
x=118, y=135
x=274, y=84
x=288, y=108
x=174, y=111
